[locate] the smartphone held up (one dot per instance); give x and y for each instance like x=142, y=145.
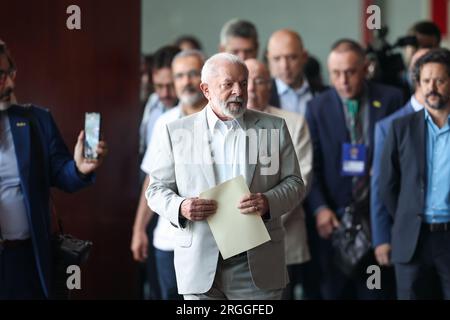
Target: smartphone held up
x=91, y=134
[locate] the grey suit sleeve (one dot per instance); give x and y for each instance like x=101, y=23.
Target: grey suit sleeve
x=291, y=189
x=162, y=192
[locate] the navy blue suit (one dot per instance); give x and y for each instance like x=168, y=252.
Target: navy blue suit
x=37, y=176
x=326, y=121
x=380, y=218
x=421, y=257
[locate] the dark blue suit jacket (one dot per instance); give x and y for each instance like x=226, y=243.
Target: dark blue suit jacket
x=403, y=182
x=56, y=168
x=380, y=218
x=326, y=121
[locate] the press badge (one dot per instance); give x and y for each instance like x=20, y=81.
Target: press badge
x=353, y=159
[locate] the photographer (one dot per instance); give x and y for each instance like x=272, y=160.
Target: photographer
x=33, y=158
x=388, y=67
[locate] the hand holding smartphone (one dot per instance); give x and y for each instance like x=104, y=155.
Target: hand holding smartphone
x=91, y=134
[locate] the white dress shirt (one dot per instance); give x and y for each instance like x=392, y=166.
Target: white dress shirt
x=154, y=108
x=163, y=234
x=228, y=139
x=13, y=214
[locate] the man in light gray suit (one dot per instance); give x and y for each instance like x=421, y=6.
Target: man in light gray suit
x=200, y=151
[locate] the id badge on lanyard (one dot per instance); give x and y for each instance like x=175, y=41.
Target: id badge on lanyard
x=353, y=159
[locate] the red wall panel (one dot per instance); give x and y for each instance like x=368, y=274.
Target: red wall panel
x=71, y=72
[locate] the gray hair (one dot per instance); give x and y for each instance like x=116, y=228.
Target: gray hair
x=190, y=53
x=210, y=67
x=240, y=29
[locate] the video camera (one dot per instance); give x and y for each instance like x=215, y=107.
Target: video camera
x=387, y=66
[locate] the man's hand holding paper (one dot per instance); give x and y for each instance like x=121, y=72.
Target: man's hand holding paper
x=233, y=228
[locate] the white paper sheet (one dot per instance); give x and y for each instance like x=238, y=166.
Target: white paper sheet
x=233, y=231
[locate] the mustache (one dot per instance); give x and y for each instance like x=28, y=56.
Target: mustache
x=189, y=89
x=434, y=93
x=238, y=100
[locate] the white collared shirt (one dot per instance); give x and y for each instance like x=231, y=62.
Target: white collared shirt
x=228, y=141
x=164, y=232
x=294, y=100
x=154, y=108
x=13, y=214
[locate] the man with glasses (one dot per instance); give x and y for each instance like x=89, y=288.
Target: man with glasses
x=33, y=158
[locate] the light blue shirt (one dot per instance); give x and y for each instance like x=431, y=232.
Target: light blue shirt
x=294, y=100
x=437, y=200
x=153, y=109
x=13, y=215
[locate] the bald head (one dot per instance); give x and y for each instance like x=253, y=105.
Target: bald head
x=287, y=57
x=259, y=85
x=283, y=37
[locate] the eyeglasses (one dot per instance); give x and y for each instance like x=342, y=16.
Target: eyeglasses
x=190, y=74
x=260, y=81
x=4, y=74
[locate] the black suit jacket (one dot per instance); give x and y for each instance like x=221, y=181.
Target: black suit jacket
x=402, y=182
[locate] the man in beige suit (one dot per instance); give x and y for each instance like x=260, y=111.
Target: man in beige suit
x=259, y=87
x=194, y=155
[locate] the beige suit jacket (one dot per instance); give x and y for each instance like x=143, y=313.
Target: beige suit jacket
x=297, y=250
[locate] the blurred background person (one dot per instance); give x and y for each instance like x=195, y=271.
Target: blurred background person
x=188, y=42
x=186, y=70
x=164, y=96
x=296, y=240
x=239, y=37
x=287, y=57
x=146, y=78
x=291, y=91
x=343, y=117
x=428, y=36
x=313, y=73
x=163, y=99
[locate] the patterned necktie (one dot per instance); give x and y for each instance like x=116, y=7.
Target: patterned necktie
x=360, y=189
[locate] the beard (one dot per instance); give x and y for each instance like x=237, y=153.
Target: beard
x=190, y=96
x=233, y=112
x=5, y=96
x=440, y=104
x=191, y=99
x=5, y=99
